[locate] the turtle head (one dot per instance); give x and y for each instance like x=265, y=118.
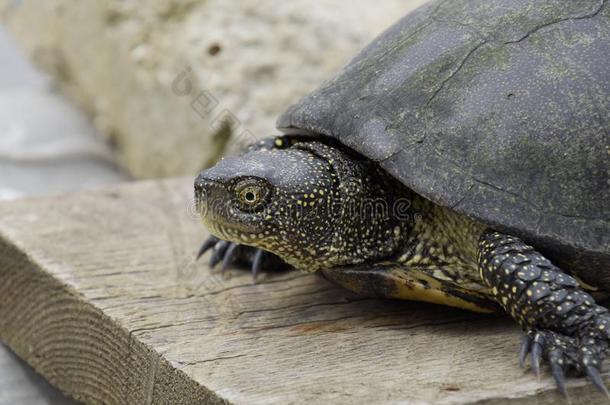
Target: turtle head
x=306, y=203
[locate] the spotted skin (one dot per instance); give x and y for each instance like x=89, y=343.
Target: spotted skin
x=311, y=205
x=305, y=200
x=277, y=142
x=443, y=246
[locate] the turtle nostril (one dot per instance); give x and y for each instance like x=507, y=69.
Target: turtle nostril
x=201, y=191
x=198, y=188
x=202, y=183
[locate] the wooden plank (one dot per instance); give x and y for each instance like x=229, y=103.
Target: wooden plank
x=99, y=291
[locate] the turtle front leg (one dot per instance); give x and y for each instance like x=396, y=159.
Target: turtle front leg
x=563, y=324
x=229, y=253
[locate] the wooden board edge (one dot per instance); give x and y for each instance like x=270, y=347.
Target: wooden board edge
x=78, y=348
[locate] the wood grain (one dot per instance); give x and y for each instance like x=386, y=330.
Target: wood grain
x=99, y=292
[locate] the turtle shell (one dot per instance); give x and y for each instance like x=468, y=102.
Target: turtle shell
x=497, y=109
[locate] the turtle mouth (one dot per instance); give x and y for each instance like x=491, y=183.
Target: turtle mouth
x=232, y=232
x=228, y=223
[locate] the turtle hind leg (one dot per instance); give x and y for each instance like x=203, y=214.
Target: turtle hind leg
x=564, y=326
x=228, y=253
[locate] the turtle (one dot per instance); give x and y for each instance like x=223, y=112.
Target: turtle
x=462, y=159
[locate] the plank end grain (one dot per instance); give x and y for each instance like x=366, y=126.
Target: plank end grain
x=100, y=292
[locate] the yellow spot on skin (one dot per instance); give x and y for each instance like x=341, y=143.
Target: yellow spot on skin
x=279, y=142
x=415, y=259
x=529, y=293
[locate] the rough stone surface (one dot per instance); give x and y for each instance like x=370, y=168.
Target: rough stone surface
x=142, y=72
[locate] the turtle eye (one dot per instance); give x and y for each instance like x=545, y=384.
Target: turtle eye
x=250, y=196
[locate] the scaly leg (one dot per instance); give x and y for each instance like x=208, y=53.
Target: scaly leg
x=563, y=324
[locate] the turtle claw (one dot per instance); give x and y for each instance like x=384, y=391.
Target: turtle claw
x=526, y=345
x=596, y=378
x=581, y=354
x=219, y=251
x=207, y=245
x=230, y=252
x=229, y=256
x=257, y=263
x=560, y=379
x=556, y=360
x=537, y=354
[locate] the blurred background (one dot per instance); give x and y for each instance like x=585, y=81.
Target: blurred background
x=95, y=93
